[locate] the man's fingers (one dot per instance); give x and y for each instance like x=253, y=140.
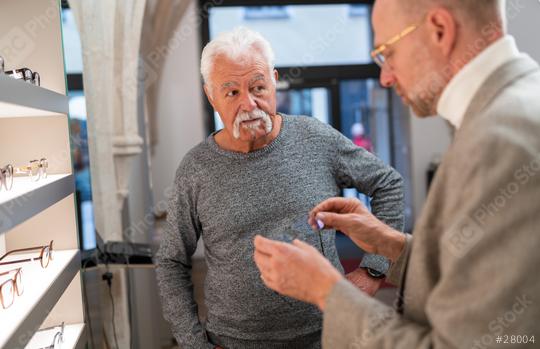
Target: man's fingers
x=268, y=246
x=302, y=245
x=261, y=259
x=264, y=264
x=329, y=205
x=333, y=220
x=266, y=280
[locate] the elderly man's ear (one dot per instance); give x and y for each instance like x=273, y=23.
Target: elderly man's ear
x=276, y=75
x=442, y=28
x=208, y=95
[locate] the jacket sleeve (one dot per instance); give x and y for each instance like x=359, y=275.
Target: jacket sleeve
x=178, y=244
x=487, y=257
x=397, y=268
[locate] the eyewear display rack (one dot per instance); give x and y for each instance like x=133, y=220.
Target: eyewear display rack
x=34, y=124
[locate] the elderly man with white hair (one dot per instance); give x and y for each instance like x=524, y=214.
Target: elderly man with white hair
x=261, y=174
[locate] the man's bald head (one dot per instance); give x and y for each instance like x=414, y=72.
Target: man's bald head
x=447, y=34
x=475, y=12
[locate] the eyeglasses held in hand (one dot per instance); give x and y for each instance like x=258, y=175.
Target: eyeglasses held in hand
x=299, y=229
x=6, y=177
x=10, y=287
x=45, y=255
x=58, y=337
x=36, y=169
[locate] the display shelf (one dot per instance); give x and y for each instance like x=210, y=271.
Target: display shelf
x=35, y=120
x=28, y=198
x=42, y=289
x=22, y=99
x=74, y=338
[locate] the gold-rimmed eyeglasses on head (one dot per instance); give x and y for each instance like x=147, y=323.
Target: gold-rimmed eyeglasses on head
x=11, y=287
x=378, y=54
x=45, y=255
x=6, y=177
x=36, y=169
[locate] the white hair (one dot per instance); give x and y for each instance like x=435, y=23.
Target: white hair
x=236, y=44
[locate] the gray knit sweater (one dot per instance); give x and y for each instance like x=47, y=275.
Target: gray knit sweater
x=226, y=198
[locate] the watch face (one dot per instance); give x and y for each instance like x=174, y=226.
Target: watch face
x=374, y=273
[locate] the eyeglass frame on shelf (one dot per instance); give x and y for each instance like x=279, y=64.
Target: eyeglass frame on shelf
x=6, y=175
x=41, y=164
x=15, y=286
x=41, y=255
x=58, y=334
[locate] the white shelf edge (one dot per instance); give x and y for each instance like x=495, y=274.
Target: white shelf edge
x=81, y=339
x=22, y=99
x=29, y=320
x=20, y=204
x=74, y=338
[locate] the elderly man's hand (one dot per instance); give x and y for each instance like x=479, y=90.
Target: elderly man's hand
x=352, y=218
x=363, y=281
x=296, y=270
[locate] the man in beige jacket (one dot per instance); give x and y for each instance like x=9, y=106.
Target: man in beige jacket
x=468, y=276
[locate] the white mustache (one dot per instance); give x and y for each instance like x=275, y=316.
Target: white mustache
x=247, y=116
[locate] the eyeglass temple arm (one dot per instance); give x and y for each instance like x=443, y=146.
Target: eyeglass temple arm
x=22, y=250
x=21, y=261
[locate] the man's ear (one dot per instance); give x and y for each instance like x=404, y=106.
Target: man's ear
x=442, y=26
x=276, y=75
x=208, y=94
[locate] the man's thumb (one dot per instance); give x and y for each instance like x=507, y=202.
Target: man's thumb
x=330, y=220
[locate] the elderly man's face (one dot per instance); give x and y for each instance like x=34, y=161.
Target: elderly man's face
x=410, y=63
x=244, y=95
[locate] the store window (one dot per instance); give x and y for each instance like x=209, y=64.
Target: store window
x=317, y=35
x=314, y=102
x=266, y=12
x=78, y=129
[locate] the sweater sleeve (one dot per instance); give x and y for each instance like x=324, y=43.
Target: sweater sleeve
x=178, y=244
x=355, y=167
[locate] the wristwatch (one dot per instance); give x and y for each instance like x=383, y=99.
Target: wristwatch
x=375, y=274
x=375, y=265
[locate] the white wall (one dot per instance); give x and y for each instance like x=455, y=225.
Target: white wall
x=524, y=25
x=180, y=113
